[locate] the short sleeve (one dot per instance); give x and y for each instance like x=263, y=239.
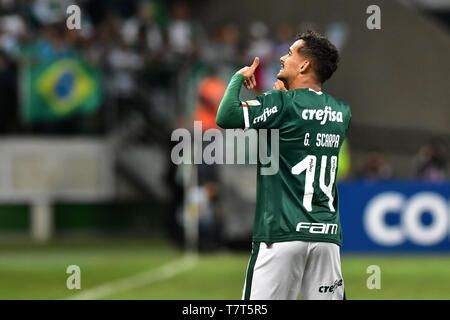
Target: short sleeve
x=349, y=119
x=265, y=111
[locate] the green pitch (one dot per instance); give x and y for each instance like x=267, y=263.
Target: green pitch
x=149, y=269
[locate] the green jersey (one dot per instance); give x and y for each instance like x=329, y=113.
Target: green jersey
x=300, y=201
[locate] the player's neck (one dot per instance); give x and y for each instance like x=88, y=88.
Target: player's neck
x=302, y=83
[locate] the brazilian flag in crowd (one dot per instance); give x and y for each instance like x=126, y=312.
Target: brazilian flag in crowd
x=55, y=90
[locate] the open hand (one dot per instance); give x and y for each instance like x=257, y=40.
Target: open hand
x=279, y=85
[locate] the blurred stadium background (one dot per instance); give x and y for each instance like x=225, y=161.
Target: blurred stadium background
x=85, y=171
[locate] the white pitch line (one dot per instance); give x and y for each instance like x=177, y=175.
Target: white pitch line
x=164, y=272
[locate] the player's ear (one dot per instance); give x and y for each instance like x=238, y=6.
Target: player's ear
x=304, y=65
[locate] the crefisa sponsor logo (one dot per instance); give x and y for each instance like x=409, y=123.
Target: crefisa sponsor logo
x=331, y=288
x=266, y=113
x=322, y=115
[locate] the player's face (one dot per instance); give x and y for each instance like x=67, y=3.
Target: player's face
x=290, y=63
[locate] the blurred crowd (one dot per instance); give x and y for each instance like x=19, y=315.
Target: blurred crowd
x=141, y=47
x=429, y=164
x=155, y=54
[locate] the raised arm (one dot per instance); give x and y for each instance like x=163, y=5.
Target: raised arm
x=230, y=113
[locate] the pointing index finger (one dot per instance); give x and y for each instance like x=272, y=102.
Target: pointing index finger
x=255, y=63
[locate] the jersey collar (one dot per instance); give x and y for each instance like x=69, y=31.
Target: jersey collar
x=317, y=92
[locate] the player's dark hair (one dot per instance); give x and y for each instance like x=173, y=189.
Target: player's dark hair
x=323, y=53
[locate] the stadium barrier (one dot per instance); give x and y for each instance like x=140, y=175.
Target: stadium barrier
x=395, y=216
x=42, y=171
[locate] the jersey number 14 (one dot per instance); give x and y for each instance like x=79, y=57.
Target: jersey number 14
x=309, y=165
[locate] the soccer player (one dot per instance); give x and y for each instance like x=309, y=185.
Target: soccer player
x=297, y=233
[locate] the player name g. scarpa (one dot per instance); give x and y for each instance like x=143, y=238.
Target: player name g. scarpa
x=322, y=115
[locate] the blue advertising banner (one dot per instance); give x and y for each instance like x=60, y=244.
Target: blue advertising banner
x=395, y=216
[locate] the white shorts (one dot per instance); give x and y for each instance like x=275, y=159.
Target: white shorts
x=283, y=270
